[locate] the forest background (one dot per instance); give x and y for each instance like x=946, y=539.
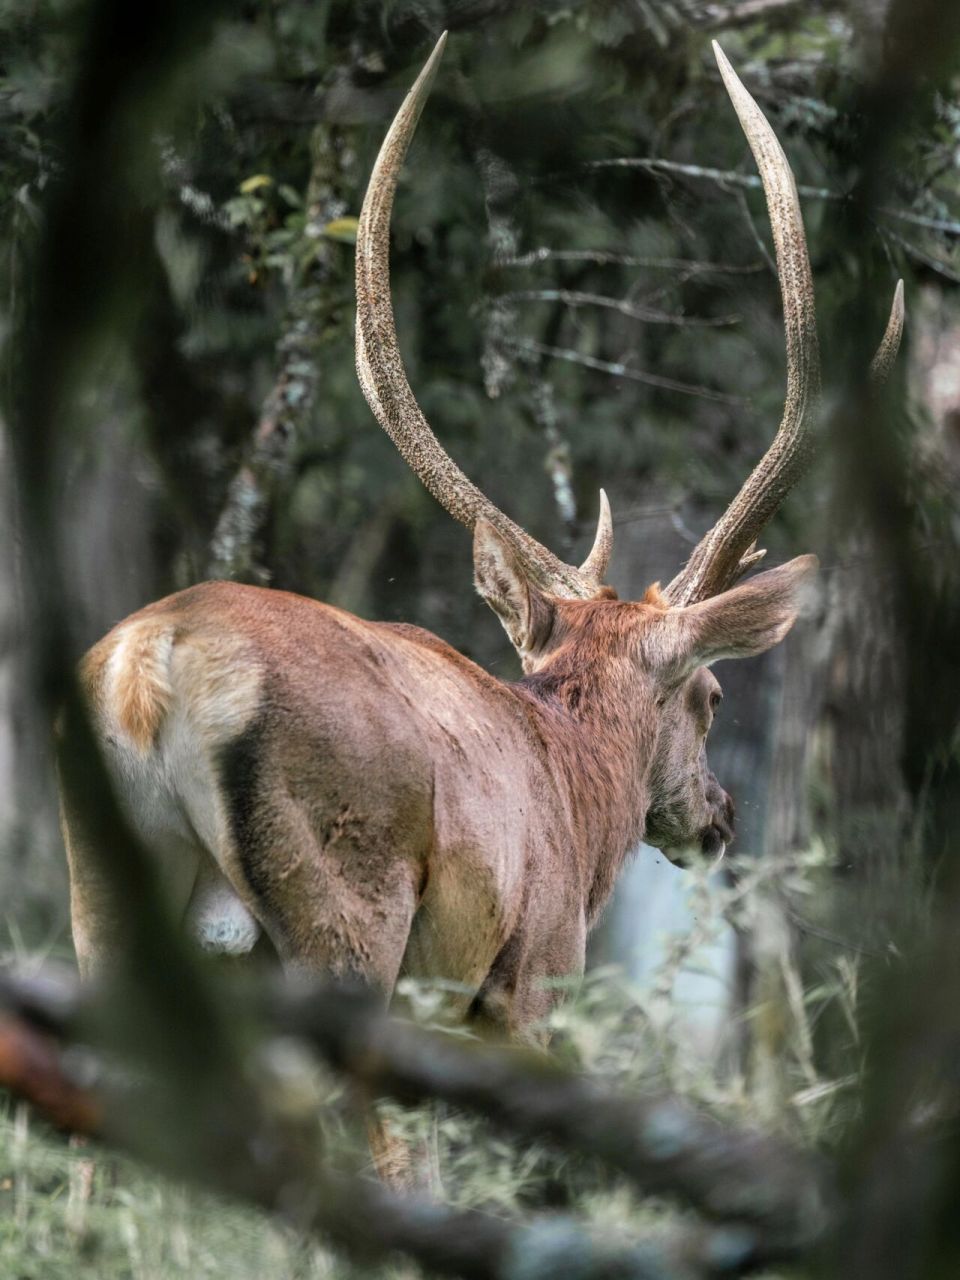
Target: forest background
x=585, y=295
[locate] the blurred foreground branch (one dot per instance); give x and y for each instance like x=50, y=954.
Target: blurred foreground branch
x=261, y=1143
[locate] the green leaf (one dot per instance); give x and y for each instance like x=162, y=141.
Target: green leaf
x=255, y=183
x=343, y=229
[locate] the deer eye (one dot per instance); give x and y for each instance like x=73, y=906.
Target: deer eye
x=715, y=699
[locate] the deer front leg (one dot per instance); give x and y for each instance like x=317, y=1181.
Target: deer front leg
x=522, y=988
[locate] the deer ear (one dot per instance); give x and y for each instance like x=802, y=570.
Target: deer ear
x=501, y=579
x=742, y=622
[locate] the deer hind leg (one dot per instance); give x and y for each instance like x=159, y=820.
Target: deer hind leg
x=335, y=891
x=95, y=920
x=356, y=929
x=336, y=897
x=526, y=982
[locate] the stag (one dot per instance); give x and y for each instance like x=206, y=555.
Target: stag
x=375, y=804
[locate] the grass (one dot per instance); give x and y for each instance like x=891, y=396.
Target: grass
x=135, y=1225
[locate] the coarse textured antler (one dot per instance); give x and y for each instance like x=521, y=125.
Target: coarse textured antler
x=729, y=548
x=883, y=361
x=387, y=391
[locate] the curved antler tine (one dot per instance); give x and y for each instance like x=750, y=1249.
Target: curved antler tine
x=716, y=561
x=596, y=564
x=889, y=346
x=384, y=380
x=376, y=333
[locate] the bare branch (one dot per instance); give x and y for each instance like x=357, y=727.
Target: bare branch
x=620, y=370
x=30, y=1068
x=723, y=177
x=268, y=1156
x=659, y=1142
x=717, y=17
x=604, y=257
x=636, y=311
x=754, y=233
x=946, y=225
x=920, y=255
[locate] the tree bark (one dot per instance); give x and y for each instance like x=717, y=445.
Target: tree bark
x=239, y=547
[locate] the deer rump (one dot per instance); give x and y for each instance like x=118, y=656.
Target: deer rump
x=362, y=803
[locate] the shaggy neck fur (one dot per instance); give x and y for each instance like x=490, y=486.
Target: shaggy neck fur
x=595, y=707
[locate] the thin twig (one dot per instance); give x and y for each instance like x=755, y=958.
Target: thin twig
x=754, y=233
x=920, y=255
x=846, y=944
x=724, y=177
x=730, y=177
x=604, y=257
x=718, y=17
x=576, y=298
x=946, y=225
x=619, y=370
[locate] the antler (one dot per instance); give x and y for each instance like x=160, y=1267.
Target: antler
x=728, y=550
x=883, y=361
x=387, y=391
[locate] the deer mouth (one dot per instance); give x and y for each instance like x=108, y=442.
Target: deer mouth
x=719, y=833
x=716, y=838
x=707, y=852
x=714, y=843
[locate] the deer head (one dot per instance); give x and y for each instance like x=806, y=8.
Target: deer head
x=702, y=615
x=637, y=674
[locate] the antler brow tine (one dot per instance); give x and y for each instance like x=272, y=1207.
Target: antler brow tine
x=595, y=565
x=387, y=390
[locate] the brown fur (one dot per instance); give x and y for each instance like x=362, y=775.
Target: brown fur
x=654, y=597
x=141, y=693
x=380, y=804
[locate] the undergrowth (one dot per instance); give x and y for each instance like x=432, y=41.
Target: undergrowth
x=69, y=1213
